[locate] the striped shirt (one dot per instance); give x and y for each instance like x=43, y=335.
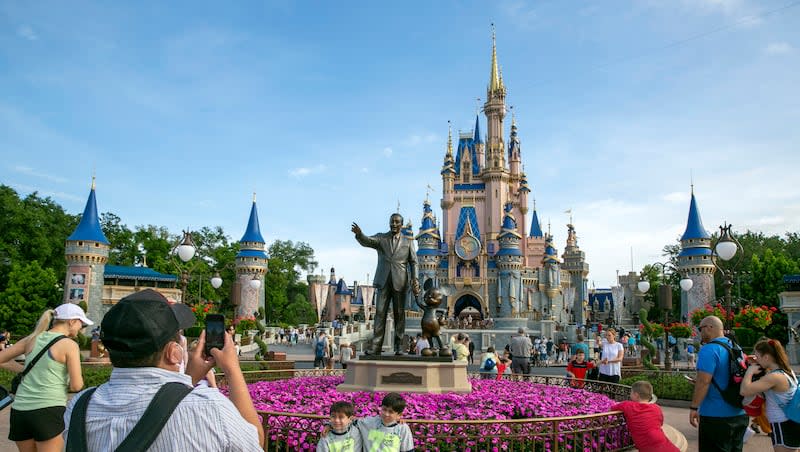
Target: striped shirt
x=204, y=421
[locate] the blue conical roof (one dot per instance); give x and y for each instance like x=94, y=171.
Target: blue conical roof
x=342, y=289
x=536, y=228
x=694, y=226
x=89, y=228
x=253, y=232
x=477, y=137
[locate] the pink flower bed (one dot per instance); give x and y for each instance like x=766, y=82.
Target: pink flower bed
x=489, y=400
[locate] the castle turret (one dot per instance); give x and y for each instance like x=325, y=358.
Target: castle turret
x=514, y=151
x=509, y=264
x=478, y=141
x=534, y=244
x=575, y=264
x=550, y=274
x=694, y=261
x=495, y=109
x=428, y=245
x=86, y=253
x=251, y=266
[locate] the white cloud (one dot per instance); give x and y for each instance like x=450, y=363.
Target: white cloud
x=771, y=221
x=365, y=170
x=778, y=48
x=676, y=196
x=305, y=171
x=22, y=188
x=28, y=171
x=415, y=140
x=26, y=32
x=387, y=151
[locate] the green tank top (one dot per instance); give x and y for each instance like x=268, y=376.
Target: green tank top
x=46, y=384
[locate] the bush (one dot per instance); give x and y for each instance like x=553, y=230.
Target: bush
x=665, y=386
x=193, y=331
x=746, y=337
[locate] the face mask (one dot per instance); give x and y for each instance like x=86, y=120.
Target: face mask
x=182, y=363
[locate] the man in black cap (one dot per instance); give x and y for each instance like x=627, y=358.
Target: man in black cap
x=141, y=333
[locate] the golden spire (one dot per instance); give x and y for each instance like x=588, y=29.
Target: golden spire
x=93, y=178
x=254, y=196
x=495, y=79
x=449, y=139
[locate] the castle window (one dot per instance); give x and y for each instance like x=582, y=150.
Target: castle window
x=80, y=243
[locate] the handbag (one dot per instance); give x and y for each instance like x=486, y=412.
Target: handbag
x=17, y=380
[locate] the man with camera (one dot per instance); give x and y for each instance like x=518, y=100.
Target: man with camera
x=141, y=334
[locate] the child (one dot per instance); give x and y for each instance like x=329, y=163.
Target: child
x=645, y=419
x=577, y=368
x=384, y=433
x=342, y=436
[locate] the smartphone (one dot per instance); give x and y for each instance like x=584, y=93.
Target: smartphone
x=215, y=332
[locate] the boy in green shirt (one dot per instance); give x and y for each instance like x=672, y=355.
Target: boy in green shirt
x=385, y=433
x=342, y=436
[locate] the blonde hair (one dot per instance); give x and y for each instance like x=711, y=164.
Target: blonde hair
x=644, y=389
x=44, y=322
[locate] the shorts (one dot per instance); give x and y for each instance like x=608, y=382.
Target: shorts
x=786, y=434
x=40, y=425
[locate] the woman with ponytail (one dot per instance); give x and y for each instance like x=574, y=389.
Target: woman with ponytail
x=778, y=386
x=37, y=414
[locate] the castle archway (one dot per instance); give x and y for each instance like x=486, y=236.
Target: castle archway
x=468, y=301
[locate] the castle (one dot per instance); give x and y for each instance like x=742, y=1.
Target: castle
x=480, y=253
x=89, y=281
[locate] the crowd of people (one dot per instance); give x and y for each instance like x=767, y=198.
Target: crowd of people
x=154, y=371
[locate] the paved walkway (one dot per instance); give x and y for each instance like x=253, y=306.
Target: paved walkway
x=677, y=417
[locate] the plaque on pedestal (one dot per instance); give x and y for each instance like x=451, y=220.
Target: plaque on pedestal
x=433, y=375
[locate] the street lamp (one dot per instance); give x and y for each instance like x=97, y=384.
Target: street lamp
x=665, y=302
x=185, y=251
x=726, y=248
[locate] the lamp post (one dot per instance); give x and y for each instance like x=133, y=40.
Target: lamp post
x=726, y=248
x=665, y=303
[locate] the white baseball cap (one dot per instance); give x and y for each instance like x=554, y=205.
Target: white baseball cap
x=70, y=311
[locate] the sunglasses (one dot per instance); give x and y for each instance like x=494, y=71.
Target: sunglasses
x=703, y=326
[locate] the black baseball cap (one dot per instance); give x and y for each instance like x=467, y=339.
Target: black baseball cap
x=142, y=323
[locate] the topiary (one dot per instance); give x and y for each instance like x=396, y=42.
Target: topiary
x=648, y=331
x=262, y=349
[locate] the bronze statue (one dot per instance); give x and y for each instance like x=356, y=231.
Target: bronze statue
x=397, y=266
x=431, y=322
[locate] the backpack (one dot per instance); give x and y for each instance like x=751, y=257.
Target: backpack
x=488, y=364
x=319, y=350
x=737, y=366
x=792, y=409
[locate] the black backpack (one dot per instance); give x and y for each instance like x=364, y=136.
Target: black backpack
x=737, y=366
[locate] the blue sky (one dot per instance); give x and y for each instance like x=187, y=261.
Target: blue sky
x=335, y=111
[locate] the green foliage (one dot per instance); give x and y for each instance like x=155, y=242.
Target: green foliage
x=193, y=331
x=746, y=337
x=648, y=332
x=33, y=229
x=665, y=385
x=245, y=325
x=84, y=341
x=262, y=349
x=285, y=293
x=29, y=291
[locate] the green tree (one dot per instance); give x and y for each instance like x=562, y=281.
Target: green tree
x=123, y=247
x=33, y=229
x=30, y=290
x=285, y=291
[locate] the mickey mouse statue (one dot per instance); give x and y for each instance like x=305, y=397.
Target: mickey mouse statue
x=430, y=323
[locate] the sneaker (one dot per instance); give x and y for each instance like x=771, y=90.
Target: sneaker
x=748, y=433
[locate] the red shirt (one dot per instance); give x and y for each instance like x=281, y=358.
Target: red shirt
x=644, y=422
x=579, y=370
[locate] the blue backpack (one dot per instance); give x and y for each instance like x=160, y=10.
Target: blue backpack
x=319, y=350
x=792, y=409
x=489, y=364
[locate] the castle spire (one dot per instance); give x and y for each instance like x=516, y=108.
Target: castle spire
x=477, y=135
x=694, y=225
x=253, y=232
x=88, y=229
x=449, y=140
x=495, y=78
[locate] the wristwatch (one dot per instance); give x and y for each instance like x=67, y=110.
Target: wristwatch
x=692, y=408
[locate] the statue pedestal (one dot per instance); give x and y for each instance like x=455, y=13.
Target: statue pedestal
x=431, y=375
